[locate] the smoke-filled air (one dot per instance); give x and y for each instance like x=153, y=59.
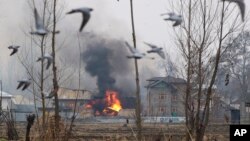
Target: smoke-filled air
x=124, y=70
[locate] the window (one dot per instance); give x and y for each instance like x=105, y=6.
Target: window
x=162, y=96
x=247, y=107
x=247, y=104
x=174, y=109
x=174, y=97
x=162, y=109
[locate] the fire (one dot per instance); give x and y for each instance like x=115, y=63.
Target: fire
x=110, y=105
x=112, y=100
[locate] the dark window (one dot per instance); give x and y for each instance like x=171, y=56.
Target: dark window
x=162, y=109
x=174, y=97
x=162, y=96
x=247, y=107
x=247, y=104
x=174, y=109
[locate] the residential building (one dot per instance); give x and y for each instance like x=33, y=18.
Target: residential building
x=6, y=101
x=69, y=99
x=245, y=109
x=165, y=96
x=20, y=111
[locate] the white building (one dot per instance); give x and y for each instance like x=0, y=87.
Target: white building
x=6, y=99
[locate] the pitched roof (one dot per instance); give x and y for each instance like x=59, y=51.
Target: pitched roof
x=169, y=80
x=20, y=99
x=6, y=95
x=66, y=93
x=24, y=108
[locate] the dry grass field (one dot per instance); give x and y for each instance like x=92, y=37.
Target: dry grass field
x=121, y=132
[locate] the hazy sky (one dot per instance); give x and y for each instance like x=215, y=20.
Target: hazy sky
x=110, y=19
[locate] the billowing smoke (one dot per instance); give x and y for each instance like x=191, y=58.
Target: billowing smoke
x=97, y=59
x=106, y=60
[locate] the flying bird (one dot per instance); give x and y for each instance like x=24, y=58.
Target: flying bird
x=85, y=15
x=155, y=49
x=49, y=95
x=174, y=17
x=48, y=57
x=56, y=32
x=23, y=83
x=40, y=29
x=241, y=5
x=14, y=48
x=135, y=53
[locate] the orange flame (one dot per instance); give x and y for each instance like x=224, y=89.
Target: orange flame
x=113, y=101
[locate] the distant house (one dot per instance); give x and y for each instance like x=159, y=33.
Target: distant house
x=194, y=96
x=70, y=99
x=245, y=109
x=22, y=106
x=6, y=100
x=20, y=111
x=223, y=112
x=21, y=99
x=165, y=96
x=222, y=109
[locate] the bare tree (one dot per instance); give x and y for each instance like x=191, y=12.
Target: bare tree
x=200, y=38
x=236, y=64
x=28, y=58
x=54, y=69
x=38, y=74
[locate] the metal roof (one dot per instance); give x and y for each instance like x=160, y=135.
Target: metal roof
x=23, y=108
x=6, y=95
x=169, y=80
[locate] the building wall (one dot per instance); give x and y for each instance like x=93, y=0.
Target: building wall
x=6, y=103
x=179, y=102
x=165, y=101
x=20, y=117
x=127, y=113
x=244, y=114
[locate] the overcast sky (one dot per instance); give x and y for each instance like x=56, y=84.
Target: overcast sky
x=109, y=19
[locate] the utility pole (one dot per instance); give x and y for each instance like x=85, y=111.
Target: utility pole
x=138, y=96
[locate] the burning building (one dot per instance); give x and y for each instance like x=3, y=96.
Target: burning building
x=103, y=62
x=110, y=105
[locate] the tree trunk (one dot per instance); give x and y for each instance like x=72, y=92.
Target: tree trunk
x=55, y=82
x=42, y=72
x=206, y=111
x=188, y=103
x=42, y=89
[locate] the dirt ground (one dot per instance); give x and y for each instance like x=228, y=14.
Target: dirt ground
x=122, y=132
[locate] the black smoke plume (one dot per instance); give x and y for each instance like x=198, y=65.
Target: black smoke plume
x=105, y=60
